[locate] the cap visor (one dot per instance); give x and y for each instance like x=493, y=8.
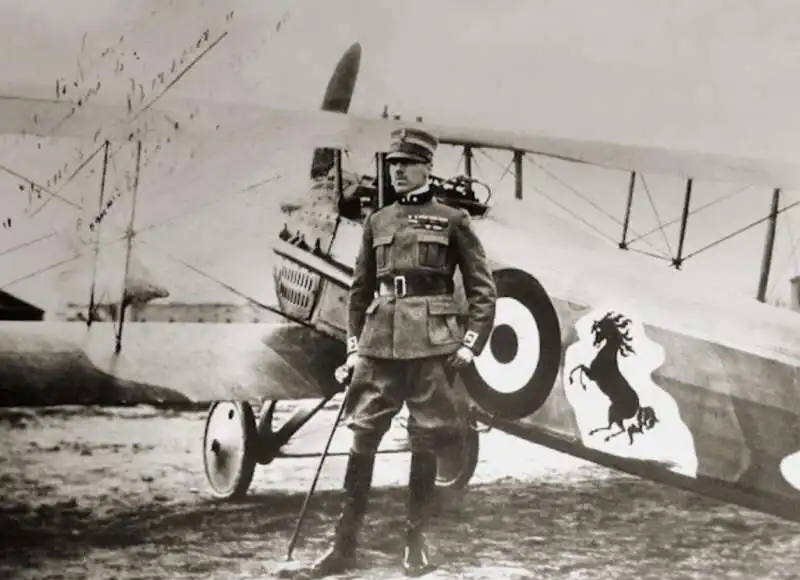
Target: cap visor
x=397, y=155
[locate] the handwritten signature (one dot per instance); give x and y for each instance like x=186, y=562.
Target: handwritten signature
x=137, y=99
x=136, y=94
x=101, y=215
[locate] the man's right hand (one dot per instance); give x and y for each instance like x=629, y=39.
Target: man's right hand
x=345, y=372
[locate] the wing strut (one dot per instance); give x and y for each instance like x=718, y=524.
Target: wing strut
x=96, y=227
x=129, y=235
x=518, y=156
x=339, y=184
x=623, y=245
x=769, y=244
x=678, y=261
x=468, y=160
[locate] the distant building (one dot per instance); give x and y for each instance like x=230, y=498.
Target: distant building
x=173, y=312
x=176, y=312
x=795, y=293
x=12, y=308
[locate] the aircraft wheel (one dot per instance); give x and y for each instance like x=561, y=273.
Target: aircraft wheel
x=456, y=465
x=230, y=448
x=516, y=371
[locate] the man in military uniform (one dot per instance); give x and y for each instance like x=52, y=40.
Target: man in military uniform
x=407, y=337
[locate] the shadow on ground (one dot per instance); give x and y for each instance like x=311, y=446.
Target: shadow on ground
x=620, y=525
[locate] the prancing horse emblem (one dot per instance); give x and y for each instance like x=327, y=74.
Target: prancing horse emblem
x=604, y=371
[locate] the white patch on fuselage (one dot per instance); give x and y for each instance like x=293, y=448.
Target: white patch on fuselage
x=668, y=441
x=790, y=469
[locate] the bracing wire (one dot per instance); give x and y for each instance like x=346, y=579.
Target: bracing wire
x=738, y=231
x=38, y=186
x=559, y=205
x=506, y=171
x=651, y=254
x=564, y=208
x=574, y=190
x=166, y=190
x=123, y=236
x=69, y=179
x=655, y=213
x=583, y=220
x=42, y=270
x=27, y=243
x=694, y=211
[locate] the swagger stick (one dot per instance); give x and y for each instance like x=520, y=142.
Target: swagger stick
x=343, y=376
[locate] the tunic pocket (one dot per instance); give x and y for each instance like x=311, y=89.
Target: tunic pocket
x=443, y=322
x=433, y=249
x=382, y=246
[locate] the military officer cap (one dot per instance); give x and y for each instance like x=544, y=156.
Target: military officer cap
x=412, y=144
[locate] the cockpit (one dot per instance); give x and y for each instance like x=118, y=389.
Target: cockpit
x=460, y=191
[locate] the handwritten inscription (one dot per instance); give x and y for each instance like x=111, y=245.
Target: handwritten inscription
x=142, y=88
x=33, y=191
x=100, y=216
x=141, y=93
x=136, y=98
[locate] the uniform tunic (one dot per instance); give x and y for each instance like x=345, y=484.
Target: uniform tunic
x=404, y=341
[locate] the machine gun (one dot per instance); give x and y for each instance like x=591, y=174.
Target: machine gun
x=459, y=192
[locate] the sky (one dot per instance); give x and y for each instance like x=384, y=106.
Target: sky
x=706, y=76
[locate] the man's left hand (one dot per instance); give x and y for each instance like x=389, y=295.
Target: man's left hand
x=461, y=358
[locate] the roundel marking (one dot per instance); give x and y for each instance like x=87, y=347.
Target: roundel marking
x=518, y=367
x=510, y=358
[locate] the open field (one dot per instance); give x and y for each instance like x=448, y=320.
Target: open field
x=93, y=492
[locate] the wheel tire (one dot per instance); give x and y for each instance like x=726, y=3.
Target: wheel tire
x=230, y=462
x=456, y=464
x=504, y=380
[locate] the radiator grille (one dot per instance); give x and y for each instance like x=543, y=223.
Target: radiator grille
x=296, y=287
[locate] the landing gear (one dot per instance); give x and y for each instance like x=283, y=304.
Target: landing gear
x=229, y=448
x=235, y=442
x=456, y=465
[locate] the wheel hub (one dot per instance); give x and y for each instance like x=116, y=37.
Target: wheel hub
x=229, y=448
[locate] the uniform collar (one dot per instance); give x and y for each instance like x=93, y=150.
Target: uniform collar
x=417, y=196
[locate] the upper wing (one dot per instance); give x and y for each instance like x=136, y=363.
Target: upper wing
x=201, y=120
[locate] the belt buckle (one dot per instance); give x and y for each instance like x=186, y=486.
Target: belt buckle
x=400, y=286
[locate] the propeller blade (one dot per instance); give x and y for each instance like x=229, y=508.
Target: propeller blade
x=338, y=95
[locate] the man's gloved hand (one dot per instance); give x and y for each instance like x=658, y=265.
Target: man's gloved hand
x=344, y=373
x=461, y=358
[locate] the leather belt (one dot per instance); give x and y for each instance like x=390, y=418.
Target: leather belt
x=414, y=285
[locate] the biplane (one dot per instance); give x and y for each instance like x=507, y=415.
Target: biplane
x=592, y=352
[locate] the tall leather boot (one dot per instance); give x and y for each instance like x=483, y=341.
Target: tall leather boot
x=421, y=488
x=357, y=483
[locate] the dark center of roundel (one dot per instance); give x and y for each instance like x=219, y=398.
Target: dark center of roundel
x=504, y=343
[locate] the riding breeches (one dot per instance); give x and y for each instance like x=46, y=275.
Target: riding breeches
x=380, y=387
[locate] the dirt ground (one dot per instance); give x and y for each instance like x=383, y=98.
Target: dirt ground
x=120, y=493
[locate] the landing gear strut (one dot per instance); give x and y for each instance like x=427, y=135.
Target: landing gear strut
x=235, y=442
